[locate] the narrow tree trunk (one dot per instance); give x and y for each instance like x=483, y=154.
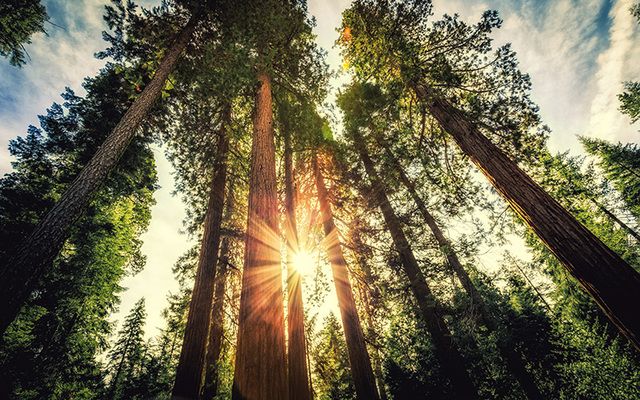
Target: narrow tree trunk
x=194, y=346
x=615, y=219
x=613, y=284
x=359, y=361
x=297, y=355
x=216, y=323
x=216, y=327
x=261, y=369
x=514, y=361
x=449, y=357
x=21, y=274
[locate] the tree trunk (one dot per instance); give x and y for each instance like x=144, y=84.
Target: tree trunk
x=363, y=377
x=216, y=324
x=22, y=273
x=613, y=284
x=297, y=355
x=216, y=327
x=194, y=347
x=615, y=219
x=261, y=369
x=449, y=357
x=514, y=361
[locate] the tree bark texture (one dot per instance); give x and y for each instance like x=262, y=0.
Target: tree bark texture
x=450, y=358
x=359, y=360
x=261, y=365
x=22, y=273
x=194, y=346
x=611, y=282
x=297, y=349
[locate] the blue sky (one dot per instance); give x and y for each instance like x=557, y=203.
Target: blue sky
x=578, y=53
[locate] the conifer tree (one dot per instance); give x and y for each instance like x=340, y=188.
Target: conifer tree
x=19, y=21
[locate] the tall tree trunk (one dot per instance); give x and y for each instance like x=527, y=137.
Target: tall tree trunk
x=297, y=355
x=613, y=284
x=194, y=346
x=22, y=273
x=261, y=367
x=448, y=355
x=359, y=361
x=216, y=327
x=216, y=323
x=514, y=361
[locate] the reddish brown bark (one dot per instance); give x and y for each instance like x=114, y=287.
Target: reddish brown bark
x=450, y=358
x=261, y=368
x=22, y=273
x=297, y=351
x=611, y=282
x=194, y=346
x=359, y=360
x=216, y=323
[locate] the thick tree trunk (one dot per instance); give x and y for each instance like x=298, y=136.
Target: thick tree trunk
x=613, y=284
x=359, y=360
x=21, y=274
x=216, y=327
x=514, y=361
x=261, y=368
x=449, y=357
x=194, y=346
x=297, y=355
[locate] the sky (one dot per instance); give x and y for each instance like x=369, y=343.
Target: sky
x=577, y=52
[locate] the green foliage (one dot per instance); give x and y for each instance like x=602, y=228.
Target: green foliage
x=19, y=20
x=630, y=100
x=621, y=165
x=331, y=366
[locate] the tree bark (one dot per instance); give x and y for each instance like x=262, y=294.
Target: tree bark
x=216, y=327
x=449, y=357
x=22, y=273
x=192, y=357
x=611, y=282
x=216, y=324
x=359, y=360
x=297, y=355
x=261, y=369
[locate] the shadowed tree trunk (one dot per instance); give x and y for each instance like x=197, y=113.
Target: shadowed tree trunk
x=194, y=346
x=21, y=274
x=216, y=324
x=297, y=355
x=216, y=329
x=448, y=355
x=611, y=282
x=366, y=293
x=261, y=365
x=513, y=360
x=359, y=360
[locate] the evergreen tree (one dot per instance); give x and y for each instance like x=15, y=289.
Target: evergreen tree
x=19, y=21
x=126, y=358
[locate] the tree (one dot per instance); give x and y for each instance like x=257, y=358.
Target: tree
x=363, y=378
x=126, y=356
x=602, y=273
x=19, y=21
x=331, y=366
x=51, y=348
x=192, y=357
x=33, y=257
x=621, y=165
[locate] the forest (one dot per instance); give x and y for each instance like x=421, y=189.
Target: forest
x=339, y=236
